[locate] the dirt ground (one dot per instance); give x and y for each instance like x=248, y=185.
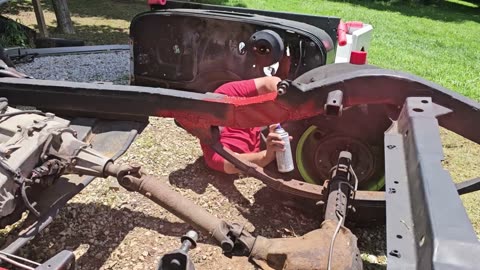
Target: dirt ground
x=110, y=228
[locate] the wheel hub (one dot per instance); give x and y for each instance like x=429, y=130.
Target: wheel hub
x=317, y=153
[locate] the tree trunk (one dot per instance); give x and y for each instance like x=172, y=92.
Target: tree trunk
x=64, y=22
x=42, y=26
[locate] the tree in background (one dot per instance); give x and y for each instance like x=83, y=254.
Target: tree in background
x=64, y=22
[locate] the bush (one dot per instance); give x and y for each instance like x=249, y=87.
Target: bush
x=12, y=34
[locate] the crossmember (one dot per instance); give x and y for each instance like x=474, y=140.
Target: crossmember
x=419, y=193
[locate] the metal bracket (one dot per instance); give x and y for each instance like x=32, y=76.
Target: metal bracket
x=468, y=186
x=334, y=104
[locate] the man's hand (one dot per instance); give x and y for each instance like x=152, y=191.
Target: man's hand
x=263, y=158
x=274, y=143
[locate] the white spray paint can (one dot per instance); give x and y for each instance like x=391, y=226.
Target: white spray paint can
x=284, y=158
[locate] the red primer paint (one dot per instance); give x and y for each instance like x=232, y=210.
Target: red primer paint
x=358, y=58
x=342, y=34
x=157, y=2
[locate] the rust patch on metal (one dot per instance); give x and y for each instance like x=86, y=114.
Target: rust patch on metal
x=309, y=251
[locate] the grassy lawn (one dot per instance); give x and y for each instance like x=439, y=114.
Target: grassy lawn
x=439, y=43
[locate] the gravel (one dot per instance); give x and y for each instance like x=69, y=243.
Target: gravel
x=107, y=67
x=110, y=228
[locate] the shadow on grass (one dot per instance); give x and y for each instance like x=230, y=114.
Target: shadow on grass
x=373, y=266
x=16, y=7
x=81, y=228
x=99, y=229
x=108, y=9
x=106, y=33
x=100, y=239
x=123, y=9
x=97, y=34
x=93, y=33
x=440, y=11
x=237, y=3
x=298, y=215
x=197, y=177
x=273, y=213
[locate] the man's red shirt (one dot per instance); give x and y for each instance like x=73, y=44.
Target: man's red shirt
x=239, y=140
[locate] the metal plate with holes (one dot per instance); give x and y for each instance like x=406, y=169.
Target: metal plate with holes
x=427, y=225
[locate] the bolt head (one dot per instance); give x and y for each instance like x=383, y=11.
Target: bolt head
x=192, y=235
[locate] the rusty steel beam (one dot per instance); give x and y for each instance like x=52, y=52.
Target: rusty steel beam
x=299, y=188
x=197, y=113
x=309, y=251
x=231, y=237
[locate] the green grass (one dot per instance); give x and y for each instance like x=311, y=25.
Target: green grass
x=463, y=162
x=439, y=43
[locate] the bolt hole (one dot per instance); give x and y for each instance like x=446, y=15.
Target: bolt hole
x=396, y=182
x=399, y=236
x=395, y=253
x=422, y=241
x=417, y=110
x=301, y=183
x=334, y=101
x=424, y=101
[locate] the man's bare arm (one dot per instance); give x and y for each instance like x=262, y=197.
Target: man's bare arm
x=266, y=84
x=259, y=158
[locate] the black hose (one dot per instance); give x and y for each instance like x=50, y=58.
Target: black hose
x=27, y=202
x=300, y=45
